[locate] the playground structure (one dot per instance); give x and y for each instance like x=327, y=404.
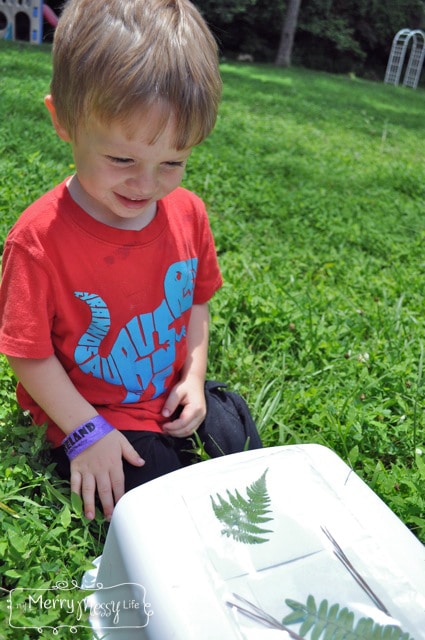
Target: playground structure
x=397, y=59
x=24, y=20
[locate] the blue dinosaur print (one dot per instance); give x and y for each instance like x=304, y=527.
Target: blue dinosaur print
x=145, y=348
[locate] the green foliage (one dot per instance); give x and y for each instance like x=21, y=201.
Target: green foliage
x=221, y=10
x=316, y=209
x=247, y=26
x=24, y=127
x=406, y=488
x=244, y=518
x=354, y=35
x=333, y=623
x=315, y=189
x=332, y=35
x=44, y=539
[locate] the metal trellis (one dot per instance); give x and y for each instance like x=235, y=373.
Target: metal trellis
x=396, y=60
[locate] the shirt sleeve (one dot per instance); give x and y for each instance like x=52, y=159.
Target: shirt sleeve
x=26, y=305
x=208, y=278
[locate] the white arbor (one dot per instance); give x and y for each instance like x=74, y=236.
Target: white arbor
x=397, y=59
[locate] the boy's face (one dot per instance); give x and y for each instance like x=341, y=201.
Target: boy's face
x=120, y=178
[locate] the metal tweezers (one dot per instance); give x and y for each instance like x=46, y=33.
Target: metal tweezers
x=356, y=575
x=256, y=613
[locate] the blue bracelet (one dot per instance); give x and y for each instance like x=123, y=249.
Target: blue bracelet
x=85, y=435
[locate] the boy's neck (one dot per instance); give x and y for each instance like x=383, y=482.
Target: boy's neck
x=79, y=195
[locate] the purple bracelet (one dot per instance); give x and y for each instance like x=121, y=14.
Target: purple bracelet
x=85, y=435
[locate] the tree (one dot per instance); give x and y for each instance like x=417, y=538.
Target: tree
x=284, y=54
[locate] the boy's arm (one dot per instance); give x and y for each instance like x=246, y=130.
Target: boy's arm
x=189, y=391
x=100, y=465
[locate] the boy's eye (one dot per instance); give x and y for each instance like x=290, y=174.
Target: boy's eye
x=175, y=164
x=119, y=160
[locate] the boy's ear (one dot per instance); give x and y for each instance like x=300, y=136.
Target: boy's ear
x=60, y=130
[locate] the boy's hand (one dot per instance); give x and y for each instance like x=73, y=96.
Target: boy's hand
x=189, y=394
x=100, y=467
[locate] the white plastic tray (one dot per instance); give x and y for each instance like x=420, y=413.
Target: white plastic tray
x=173, y=562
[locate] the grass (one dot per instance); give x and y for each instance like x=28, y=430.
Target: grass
x=315, y=185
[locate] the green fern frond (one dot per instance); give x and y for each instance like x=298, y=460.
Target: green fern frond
x=243, y=517
x=333, y=623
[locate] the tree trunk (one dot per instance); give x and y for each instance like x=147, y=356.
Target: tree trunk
x=284, y=54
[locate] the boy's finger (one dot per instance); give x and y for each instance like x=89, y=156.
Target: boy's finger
x=87, y=493
x=118, y=485
x=75, y=482
x=130, y=454
x=181, y=428
x=104, y=491
x=171, y=404
x=177, y=424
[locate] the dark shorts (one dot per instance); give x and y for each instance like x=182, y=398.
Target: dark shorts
x=228, y=428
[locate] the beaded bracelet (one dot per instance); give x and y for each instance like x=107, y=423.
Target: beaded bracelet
x=85, y=435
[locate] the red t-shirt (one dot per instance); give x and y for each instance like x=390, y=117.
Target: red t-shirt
x=113, y=305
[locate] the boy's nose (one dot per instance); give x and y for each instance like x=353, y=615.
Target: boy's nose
x=143, y=181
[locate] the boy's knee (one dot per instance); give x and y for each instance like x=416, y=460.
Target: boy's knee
x=229, y=426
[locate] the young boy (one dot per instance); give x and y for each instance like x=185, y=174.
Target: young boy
x=107, y=278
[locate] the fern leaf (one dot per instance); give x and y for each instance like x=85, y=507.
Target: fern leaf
x=331, y=631
x=321, y=624
x=334, y=623
x=243, y=518
x=311, y=616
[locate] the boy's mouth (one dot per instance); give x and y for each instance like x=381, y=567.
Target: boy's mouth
x=132, y=203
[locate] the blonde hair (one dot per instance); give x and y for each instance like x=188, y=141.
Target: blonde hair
x=115, y=59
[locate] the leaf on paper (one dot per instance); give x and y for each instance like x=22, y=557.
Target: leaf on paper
x=243, y=518
x=326, y=622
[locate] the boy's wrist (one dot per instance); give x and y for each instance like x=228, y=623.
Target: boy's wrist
x=85, y=435
x=193, y=378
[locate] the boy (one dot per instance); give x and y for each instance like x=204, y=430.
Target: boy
x=106, y=279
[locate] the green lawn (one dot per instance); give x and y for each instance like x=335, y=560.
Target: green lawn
x=315, y=186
